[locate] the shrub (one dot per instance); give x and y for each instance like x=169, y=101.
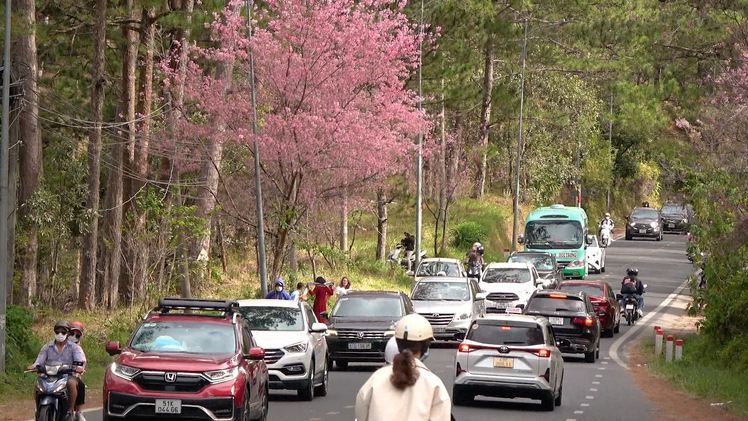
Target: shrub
x=466, y=233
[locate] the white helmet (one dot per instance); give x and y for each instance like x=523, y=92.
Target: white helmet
x=391, y=350
x=414, y=327
x=607, y=215
x=476, y=245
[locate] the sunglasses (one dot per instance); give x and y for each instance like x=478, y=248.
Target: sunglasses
x=76, y=334
x=63, y=331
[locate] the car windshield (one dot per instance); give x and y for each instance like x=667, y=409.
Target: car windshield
x=368, y=306
x=644, y=213
x=505, y=334
x=438, y=268
x=188, y=337
x=541, y=304
x=539, y=261
x=441, y=291
x=673, y=210
x=506, y=275
x=593, y=290
x=554, y=234
x=273, y=318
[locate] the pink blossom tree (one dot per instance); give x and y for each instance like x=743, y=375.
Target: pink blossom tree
x=333, y=107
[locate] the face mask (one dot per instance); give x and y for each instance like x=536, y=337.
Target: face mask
x=279, y=288
x=60, y=337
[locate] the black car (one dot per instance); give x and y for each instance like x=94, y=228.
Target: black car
x=361, y=323
x=544, y=262
x=573, y=320
x=676, y=217
x=644, y=222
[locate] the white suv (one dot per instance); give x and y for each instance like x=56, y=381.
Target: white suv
x=509, y=356
x=508, y=285
x=294, y=342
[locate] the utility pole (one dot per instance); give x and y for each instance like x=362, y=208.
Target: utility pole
x=258, y=181
x=519, y=136
x=419, y=170
x=610, y=150
x=4, y=143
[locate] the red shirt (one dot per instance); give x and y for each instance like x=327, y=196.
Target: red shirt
x=321, y=294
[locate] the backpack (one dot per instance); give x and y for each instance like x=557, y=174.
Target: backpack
x=628, y=286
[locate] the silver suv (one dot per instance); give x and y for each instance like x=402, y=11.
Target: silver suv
x=295, y=344
x=509, y=356
x=448, y=303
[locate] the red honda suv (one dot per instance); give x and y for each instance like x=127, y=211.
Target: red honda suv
x=603, y=300
x=188, y=359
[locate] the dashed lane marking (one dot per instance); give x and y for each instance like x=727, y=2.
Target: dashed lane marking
x=589, y=397
x=579, y=412
x=584, y=405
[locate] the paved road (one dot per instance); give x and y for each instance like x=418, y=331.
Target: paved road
x=600, y=391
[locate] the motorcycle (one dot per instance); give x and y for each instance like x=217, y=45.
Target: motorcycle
x=397, y=255
x=474, y=269
x=51, y=393
x=630, y=309
x=604, y=236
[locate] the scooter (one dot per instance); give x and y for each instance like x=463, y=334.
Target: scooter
x=604, y=236
x=51, y=393
x=474, y=269
x=397, y=255
x=630, y=307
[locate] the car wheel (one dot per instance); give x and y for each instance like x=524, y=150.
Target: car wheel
x=560, y=392
x=307, y=393
x=628, y=236
x=265, y=405
x=589, y=357
x=618, y=326
x=597, y=350
x=341, y=365
x=660, y=237
x=602, y=268
x=548, y=404
x=321, y=390
x=243, y=412
x=461, y=397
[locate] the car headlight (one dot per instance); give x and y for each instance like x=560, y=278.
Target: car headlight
x=633, y=224
x=331, y=332
x=654, y=224
x=575, y=264
x=297, y=348
x=220, y=376
x=389, y=333
x=684, y=220
x=124, y=371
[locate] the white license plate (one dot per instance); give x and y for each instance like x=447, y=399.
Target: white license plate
x=500, y=304
x=569, y=255
x=629, y=306
x=439, y=330
x=362, y=345
x=671, y=225
x=556, y=321
x=642, y=231
x=168, y=406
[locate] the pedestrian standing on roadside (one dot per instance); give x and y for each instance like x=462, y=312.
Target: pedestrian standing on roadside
x=298, y=292
x=278, y=293
x=321, y=291
x=344, y=287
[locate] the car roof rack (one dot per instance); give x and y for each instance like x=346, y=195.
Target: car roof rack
x=167, y=304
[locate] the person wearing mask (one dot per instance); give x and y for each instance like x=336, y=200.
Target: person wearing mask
x=406, y=390
x=76, y=335
x=344, y=287
x=278, y=293
x=63, y=351
x=299, y=292
x=321, y=291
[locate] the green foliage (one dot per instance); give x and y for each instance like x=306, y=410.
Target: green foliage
x=466, y=233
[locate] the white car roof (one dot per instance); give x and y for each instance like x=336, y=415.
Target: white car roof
x=509, y=265
x=510, y=317
x=443, y=279
x=262, y=302
x=440, y=259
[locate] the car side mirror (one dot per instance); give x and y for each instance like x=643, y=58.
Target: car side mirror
x=481, y=296
x=521, y=239
x=255, y=354
x=318, y=328
x=113, y=348
x=589, y=239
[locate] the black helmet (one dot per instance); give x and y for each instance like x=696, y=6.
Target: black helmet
x=632, y=271
x=62, y=323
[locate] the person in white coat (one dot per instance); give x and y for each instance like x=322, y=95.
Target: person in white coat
x=406, y=390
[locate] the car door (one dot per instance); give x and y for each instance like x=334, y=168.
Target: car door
x=317, y=340
x=254, y=373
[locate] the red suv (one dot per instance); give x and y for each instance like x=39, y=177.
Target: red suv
x=603, y=300
x=188, y=359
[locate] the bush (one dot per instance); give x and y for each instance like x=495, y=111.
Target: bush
x=466, y=233
x=21, y=345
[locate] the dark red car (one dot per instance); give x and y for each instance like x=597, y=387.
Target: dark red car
x=603, y=300
x=188, y=359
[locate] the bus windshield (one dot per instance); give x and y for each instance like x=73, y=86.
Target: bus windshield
x=553, y=234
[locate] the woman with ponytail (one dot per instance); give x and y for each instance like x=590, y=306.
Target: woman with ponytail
x=406, y=390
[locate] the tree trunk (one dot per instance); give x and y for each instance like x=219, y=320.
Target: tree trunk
x=88, y=264
x=485, y=117
x=381, y=224
x=441, y=213
x=344, y=223
x=30, y=154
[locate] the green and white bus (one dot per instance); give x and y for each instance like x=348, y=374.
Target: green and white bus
x=562, y=231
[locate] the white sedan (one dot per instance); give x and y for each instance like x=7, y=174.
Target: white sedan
x=595, y=256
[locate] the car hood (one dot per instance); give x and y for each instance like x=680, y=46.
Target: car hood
x=177, y=361
x=674, y=215
x=361, y=323
x=507, y=287
x=644, y=220
x=279, y=339
x=442, y=306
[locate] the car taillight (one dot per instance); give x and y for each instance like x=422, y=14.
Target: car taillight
x=542, y=352
x=584, y=321
x=464, y=348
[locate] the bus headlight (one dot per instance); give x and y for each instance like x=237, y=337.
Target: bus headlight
x=576, y=264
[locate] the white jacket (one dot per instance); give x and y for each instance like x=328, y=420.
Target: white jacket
x=427, y=400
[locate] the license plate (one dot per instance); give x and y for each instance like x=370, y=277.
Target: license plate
x=503, y=362
x=556, y=321
x=439, y=330
x=643, y=231
x=671, y=225
x=629, y=306
x=570, y=255
x=500, y=304
x=363, y=345
x=168, y=406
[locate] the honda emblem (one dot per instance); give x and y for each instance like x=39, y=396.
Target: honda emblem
x=170, y=377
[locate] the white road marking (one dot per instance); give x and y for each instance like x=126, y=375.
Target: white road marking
x=595, y=382
x=589, y=397
x=642, y=323
x=585, y=405
x=593, y=390
x=598, y=375
x=603, y=362
x=601, y=368
x=579, y=412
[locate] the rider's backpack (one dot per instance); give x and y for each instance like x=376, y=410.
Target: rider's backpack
x=628, y=286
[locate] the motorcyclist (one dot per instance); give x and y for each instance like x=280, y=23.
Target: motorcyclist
x=631, y=285
x=607, y=222
x=76, y=335
x=63, y=351
x=474, y=258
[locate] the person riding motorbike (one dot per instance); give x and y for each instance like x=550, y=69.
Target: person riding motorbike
x=631, y=285
x=474, y=259
x=61, y=350
x=605, y=223
x=76, y=335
